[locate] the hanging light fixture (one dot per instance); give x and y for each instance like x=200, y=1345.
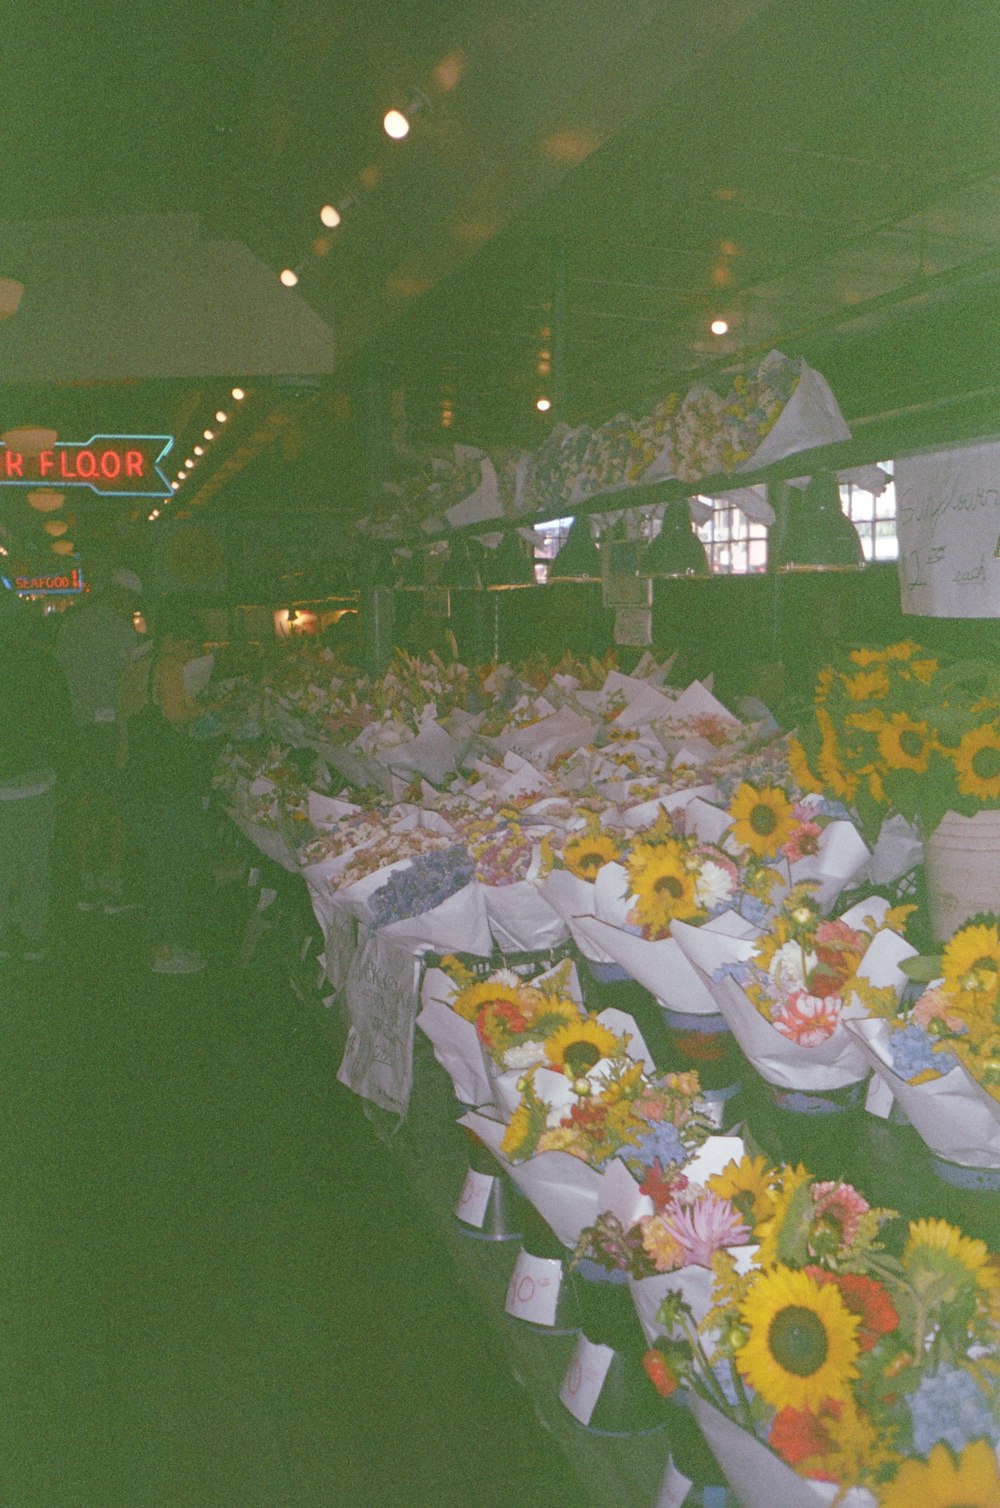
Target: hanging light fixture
x=55, y=526
x=62, y=546
x=396, y=123
x=11, y=293
x=579, y=559
x=676, y=550
x=29, y=439
x=817, y=534
x=44, y=501
x=508, y=565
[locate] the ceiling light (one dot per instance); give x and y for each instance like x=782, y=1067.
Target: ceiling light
x=208, y=434
x=237, y=395
x=55, y=527
x=579, y=559
x=817, y=534
x=62, y=546
x=396, y=125
x=221, y=416
x=199, y=450
x=44, y=501
x=330, y=216
x=189, y=463
x=543, y=405
x=289, y=277
x=676, y=550
x=719, y=327
x=175, y=485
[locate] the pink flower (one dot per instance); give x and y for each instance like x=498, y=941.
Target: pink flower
x=807, y=1019
x=840, y=1206
x=804, y=840
x=704, y=1227
x=934, y=1006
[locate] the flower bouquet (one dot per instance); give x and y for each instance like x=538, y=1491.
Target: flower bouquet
x=942, y=1061
x=855, y=1362
x=806, y=976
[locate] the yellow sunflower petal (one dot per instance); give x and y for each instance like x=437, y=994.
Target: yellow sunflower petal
x=942, y=1482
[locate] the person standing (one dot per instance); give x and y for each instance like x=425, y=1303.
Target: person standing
x=96, y=641
x=33, y=720
x=163, y=769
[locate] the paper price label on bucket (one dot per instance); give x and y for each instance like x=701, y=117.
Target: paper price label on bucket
x=581, y=1387
x=533, y=1292
x=475, y=1196
x=674, y=1488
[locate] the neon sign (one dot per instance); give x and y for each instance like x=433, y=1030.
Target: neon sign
x=62, y=583
x=110, y=465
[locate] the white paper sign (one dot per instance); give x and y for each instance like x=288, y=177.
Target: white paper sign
x=381, y=994
x=948, y=521
x=584, y=1379
x=674, y=1488
x=533, y=1291
x=475, y=1196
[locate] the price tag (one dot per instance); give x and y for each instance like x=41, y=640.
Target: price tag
x=674, y=1489
x=533, y=1292
x=581, y=1387
x=475, y=1196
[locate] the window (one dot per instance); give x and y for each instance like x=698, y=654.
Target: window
x=549, y=540
x=734, y=545
x=873, y=517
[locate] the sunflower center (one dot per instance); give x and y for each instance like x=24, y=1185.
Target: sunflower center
x=580, y=1058
x=911, y=743
x=763, y=820
x=671, y=884
x=798, y=1340
x=591, y=861
x=986, y=763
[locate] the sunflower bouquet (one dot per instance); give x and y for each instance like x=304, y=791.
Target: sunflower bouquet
x=595, y=1103
x=804, y=978
x=942, y=1060
x=488, y=1025
x=903, y=729
x=810, y=837
x=858, y=1352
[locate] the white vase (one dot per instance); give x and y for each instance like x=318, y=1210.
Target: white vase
x=963, y=869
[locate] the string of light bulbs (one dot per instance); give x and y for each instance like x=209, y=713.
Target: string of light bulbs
x=213, y=429
x=396, y=124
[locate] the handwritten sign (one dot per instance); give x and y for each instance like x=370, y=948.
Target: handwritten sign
x=584, y=1379
x=381, y=995
x=474, y=1198
x=533, y=1291
x=948, y=523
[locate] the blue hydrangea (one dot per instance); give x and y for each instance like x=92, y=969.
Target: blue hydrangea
x=423, y=884
x=913, y=1053
x=754, y=910
x=738, y=968
x=950, y=1406
x=661, y=1144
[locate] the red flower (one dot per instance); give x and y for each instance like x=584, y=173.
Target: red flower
x=867, y=1299
x=660, y=1189
x=659, y=1372
x=797, y=1434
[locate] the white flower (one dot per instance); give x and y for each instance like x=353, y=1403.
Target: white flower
x=524, y=1055
x=713, y=886
x=790, y=965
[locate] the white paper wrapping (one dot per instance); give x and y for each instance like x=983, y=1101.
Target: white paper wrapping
x=757, y=1476
x=954, y=1115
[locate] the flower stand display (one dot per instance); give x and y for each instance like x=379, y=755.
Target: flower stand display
x=605, y=1387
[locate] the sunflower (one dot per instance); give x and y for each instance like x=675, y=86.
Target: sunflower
x=905, y=744
x=937, y=1256
x=801, y=1346
x=866, y=657
x=977, y=762
x=578, y=1045
x=747, y=1185
x=798, y=765
x=829, y=761
x=663, y=886
x=970, y=965
x=470, y=1001
x=867, y=685
x=971, y=1481
x=771, y=1226
x=587, y=852
x=762, y=819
